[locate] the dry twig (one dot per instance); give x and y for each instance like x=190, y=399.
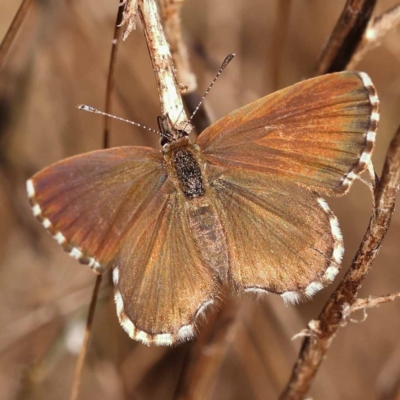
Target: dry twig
x=170, y=13
x=373, y=301
x=13, y=30
x=346, y=36
x=129, y=16
x=161, y=59
x=110, y=77
x=376, y=31
x=205, y=355
x=332, y=316
x=106, y=132
x=88, y=331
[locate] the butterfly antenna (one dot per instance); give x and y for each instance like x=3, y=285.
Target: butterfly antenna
x=84, y=107
x=227, y=60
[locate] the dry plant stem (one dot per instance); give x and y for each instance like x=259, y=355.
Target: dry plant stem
x=13, y=30
x=110, y=78
x=170, y=13
x=372, y=301
x=315, y=347
x=346, y=36
x=34, y=320
x=375, y=33
x=92, y=310
x=128, y=17
x=82, y=354
x=204, y=357
x=167, y=85
x=278, y=39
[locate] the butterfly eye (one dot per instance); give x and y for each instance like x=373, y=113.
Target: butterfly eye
x=164, y=140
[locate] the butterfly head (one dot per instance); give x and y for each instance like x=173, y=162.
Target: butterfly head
x=171, y=137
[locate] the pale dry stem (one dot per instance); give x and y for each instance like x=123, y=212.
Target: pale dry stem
x=376, y=31
x=170, y=14
x=373, y=301
x=164, y=70
x=172, y=22
x=129, y=17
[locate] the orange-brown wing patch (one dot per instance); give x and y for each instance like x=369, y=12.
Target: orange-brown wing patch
x=281, y=238
x=161, y=282
x=89, y=202
x=319, y=133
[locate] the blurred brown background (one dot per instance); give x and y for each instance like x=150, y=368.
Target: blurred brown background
x=59, y=60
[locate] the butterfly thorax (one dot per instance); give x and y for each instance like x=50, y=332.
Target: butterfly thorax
x=183, y=165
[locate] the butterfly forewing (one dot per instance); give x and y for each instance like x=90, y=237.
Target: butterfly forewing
x=88, y=202
x=281, y=238
x=318, y=133
x=161, y=281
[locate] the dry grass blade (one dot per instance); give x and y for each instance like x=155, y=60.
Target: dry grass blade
x=329, y=321
x=83, y=352
x=13, y=30
x=111, y=71
x=346, y=36
x=375, y=33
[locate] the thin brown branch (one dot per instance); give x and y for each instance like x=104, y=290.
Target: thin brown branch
x=170, y=13
x=278, y=39
x=332, y=316
x=373, y=301
x=161, y=59
x=13, y=30
x=346, y=36
x=34, y=320
x=205, y=355
x=110, y=77
x=83, y=352
x=375, y=33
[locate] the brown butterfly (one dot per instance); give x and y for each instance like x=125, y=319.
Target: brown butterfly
x=242, y=206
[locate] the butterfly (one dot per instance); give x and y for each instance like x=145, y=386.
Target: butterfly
x=241, y=207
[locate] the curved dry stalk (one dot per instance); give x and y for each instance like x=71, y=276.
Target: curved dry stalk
x=278, y=39
x=82, y=354
x=346, y=36
x=375, y=33
x=13, y=30
x=106, y=134
x=110, y=77
x=36, y=319
x=333, y=315
x=206, y=353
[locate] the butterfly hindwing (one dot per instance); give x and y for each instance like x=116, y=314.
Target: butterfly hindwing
x=281, y=237
x=161, y=282
x=318, y=133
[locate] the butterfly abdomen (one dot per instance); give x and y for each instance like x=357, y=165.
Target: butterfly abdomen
x=208, y=234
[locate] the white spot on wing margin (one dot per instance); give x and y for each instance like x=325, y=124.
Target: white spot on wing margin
x=30, y=189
